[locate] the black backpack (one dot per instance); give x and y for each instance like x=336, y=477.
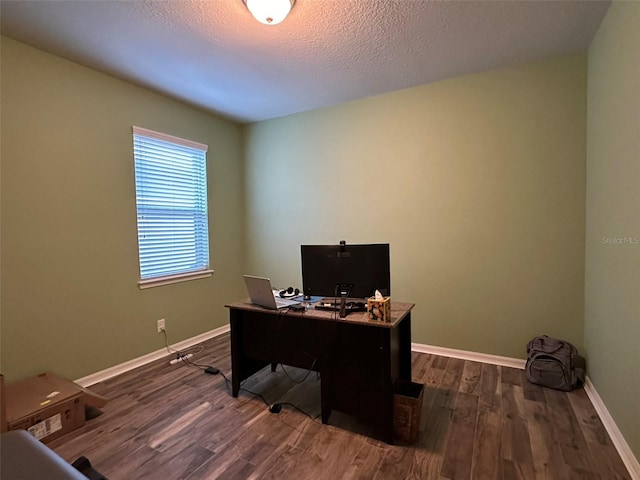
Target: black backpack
x=554, y=363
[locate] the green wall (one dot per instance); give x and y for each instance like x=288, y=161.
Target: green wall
x=478, y=184
x=70, y=301
x=612, y=307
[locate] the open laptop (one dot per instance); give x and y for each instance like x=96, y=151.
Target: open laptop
x=261, y=293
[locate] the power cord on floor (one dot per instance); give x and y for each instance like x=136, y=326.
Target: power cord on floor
x=273, y=407
x=181, y=355
x=305, y=377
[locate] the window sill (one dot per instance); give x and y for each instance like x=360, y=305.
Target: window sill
x=168, y=280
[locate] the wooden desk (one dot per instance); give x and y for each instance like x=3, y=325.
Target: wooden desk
x=360, y=361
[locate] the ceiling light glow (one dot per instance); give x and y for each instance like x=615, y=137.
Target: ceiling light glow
x=269, y=12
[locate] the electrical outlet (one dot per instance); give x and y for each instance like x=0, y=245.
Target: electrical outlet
x=160, y=325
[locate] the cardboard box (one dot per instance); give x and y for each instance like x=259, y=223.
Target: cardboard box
x=48, y=406
x=3, y=406
x=379, y=310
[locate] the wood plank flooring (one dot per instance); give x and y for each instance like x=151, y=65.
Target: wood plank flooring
x=479, y=421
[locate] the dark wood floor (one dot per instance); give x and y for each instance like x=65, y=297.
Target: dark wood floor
x=479, y=421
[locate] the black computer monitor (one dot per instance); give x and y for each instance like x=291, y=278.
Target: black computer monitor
x=331, y=270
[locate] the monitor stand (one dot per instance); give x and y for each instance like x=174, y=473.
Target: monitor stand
x=343, y=290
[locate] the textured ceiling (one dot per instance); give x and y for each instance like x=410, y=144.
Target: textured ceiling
x=215, y=55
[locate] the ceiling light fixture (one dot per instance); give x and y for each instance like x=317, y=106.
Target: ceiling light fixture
x=269, y=12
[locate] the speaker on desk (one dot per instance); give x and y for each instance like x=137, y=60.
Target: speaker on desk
x=289, y=292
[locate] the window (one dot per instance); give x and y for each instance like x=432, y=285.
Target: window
x=171, y=201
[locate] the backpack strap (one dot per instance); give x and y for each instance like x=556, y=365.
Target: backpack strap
x=547, y=344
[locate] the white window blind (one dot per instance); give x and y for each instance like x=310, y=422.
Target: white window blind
x=171, y=201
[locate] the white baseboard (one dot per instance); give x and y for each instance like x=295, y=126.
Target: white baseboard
x=472, y=356
x=150, y=357
x=629, y=459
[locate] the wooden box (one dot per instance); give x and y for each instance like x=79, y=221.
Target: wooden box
x=407, y=405
x=379, y=310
